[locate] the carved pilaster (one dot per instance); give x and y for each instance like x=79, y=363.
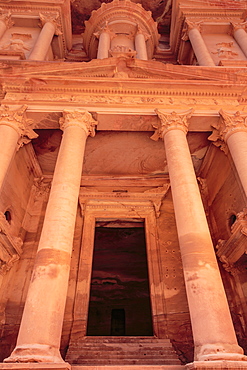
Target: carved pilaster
x=171, y=121
x=51, y=17
x=5, y=17
x=188, y=26
x=19, y=122
x=80, y=118
x=229, y=124
x=42, y=188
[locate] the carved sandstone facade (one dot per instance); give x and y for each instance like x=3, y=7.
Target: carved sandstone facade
x=123, y=184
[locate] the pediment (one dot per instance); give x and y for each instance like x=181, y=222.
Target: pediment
x=120, y=68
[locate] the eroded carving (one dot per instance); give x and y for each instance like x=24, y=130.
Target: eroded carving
x=5, y=17
x=188, y=26
x=17, y=42
x=51, y=17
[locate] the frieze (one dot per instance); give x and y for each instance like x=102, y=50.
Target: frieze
x=123, y=99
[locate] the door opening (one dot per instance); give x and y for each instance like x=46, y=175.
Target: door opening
x=119, y=297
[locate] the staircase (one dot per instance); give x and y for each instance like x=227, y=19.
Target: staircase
x=123, y=352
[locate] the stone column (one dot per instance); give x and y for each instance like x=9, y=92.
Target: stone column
x=232, y=129
x=41, y=326
x=14, y=132
x=192, y=32
x=104, y=36
x=140, y=44
x=5, y=21
x=213, y=331
x=240, y=35
x=50, y=27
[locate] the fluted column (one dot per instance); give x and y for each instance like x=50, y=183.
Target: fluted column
x=240, y=35
x=192, y=32
x=5, y=21
x=213, y=331
x=50, y=27
x=41, y=326
x=104, y=36
x=14, y=131
x=232, y=129
x=140, y=44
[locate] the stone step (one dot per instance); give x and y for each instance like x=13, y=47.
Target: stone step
x=98, y=352
x=105, y=362
x=128, y=367
x=127, y=339
x=122, y=356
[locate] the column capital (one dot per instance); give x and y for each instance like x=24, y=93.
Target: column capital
x=188, y=26
x=171, y=121
x=140, y=31
x=237, y=26
x=104, y=29
x=229, y=123
x=17, y=120
x=80, y=118
x=5, y=16
x=51, y=17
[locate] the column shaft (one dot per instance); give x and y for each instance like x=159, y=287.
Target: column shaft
x=104, y=45
x=237, y=144
x=42, y=319
x=140, y=46
x=214, y=338
x=241, y=37
x=43, y=42
x=8, y=143
x=3, y=28
x=202, y=54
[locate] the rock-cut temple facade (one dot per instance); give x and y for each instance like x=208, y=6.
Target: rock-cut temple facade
x=123, y=180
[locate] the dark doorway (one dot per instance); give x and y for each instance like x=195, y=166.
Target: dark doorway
x=119, y=296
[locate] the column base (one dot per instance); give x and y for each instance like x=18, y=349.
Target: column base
x=35, y=366
x=35, y=353
x=214, y=365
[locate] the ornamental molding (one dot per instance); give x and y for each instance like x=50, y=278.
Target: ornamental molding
x=171, y=121
x=16, y=119
x=228, y=124
x=79, y=118
x=150, y=199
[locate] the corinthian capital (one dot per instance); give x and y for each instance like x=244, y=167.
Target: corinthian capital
x=171, y=121
x=18, y=121
x=188, y=26
x=238, y=26
x=5, y=16
x=229, y=124
x=80, y=118
x=51, y=17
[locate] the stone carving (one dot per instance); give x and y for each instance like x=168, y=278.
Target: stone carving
x=18, y=121
x=228, y=124
x=42, y=188
x=224, y=50
x=5, y=16
x=119, y=50
x=51, y=17
x=80, y=118
x=237, y=26
x=188, y=26
x=17, y=42
x=171, y=121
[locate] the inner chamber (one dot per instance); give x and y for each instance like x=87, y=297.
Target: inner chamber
x=119, y=295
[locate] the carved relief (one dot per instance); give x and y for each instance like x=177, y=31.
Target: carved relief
x=51, y=17
x=228, y=125
x=10, y=246
x=18, y=121
x=171, y=121
x=80, y=118
x=17, y=42
x=224, y=50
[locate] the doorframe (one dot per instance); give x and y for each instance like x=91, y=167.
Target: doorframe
x=143, y=206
